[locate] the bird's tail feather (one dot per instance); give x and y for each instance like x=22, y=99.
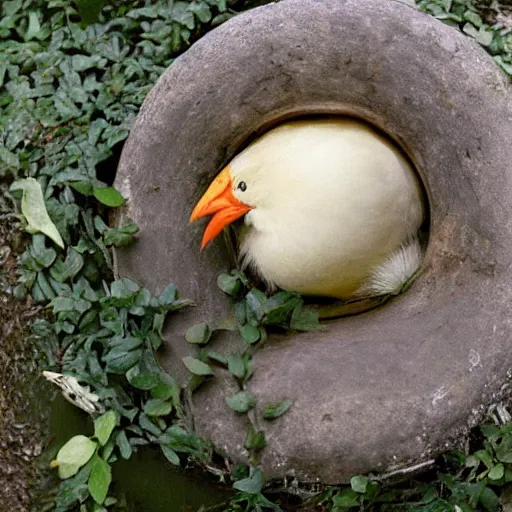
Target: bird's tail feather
x=389, y=277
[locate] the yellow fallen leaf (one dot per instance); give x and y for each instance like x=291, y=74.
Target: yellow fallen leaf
x=34, y=210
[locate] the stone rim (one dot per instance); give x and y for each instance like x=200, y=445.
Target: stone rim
x=450, y=109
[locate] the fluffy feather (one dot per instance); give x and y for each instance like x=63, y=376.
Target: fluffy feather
x=334, y=204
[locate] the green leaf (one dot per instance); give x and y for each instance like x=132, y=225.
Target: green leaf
x=119, y=344
x=9, y=158
x=251, y=485
x=169, y=295
x=197, y=367
x=254, y=440
x=84, y=62
x=142, y=379
x=201, y=11
x=255, y=300
x=108, y=196
x=99, y=479
x=279, y=306
x=120, y=237
x=359, y=483
x=34, y=27
x=165, y=391
x=473, y=18
x=236, y=365
x=506, y=66
x=471, y=462
x=228, y=284
x=504, y=451
x=489, y=499
x=241, y=402
x=199, y=334
x=121, y=361
x=304, y=319
x=250, y=333
x=274, y=410
x=104, y=426
x=496, y=472
x=62, y=271
x=150, y=426
x=170, y=454
x=125, y=448
x=34, y=210
x=485, y=457
x=482, y=35
x=157, y=407
x=123, y=288
x=73, y=455
x=45, y=256
x=347, y=498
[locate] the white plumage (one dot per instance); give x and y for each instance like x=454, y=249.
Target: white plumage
x=332, y=208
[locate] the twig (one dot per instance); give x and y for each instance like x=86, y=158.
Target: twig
x=404, y=471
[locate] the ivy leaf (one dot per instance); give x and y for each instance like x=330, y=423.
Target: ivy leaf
x=255, y=300
x=359, y=483
x=99, y=479
x=251, y=485
x=241, y=402
x=45, y=256
x=201, y=11
x=198, y=334
x=73, y=455
x=473, y=18
x=496, y=472
x=123, y=288
x=197, y=367
x=121, y=361
x=489, y=499
x=108, y=196
x=254, y=440
x=34, y=27
x=346, y=498
x=125, y=448
x=142, y=379
x=236, y=365
x=34, y=210
x=272, y=411
x=61, y=271
x=169, y=295
x=170, y=454
x=304, y=319
x=167, y=391
x=104, y=426
x=250, y=333
x=157, y=407
x=228, y=284
x=120, y=237
x=279, y=306
x=9, y=158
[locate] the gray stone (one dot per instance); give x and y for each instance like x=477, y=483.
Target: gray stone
x=393, y=386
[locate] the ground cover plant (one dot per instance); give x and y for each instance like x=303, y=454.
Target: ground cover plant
x=72, y=78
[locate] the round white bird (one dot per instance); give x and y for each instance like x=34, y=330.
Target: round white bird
x=332, y=208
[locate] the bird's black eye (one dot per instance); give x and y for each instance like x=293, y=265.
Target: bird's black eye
x=242, y=186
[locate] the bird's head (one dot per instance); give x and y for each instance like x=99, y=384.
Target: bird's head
x=230, y=196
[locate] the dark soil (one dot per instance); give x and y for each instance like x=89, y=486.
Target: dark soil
x=23, y=418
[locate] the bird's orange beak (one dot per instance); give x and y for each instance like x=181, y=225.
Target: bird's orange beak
x=220, y=201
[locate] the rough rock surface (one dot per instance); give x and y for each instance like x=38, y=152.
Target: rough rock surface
x=395, y=385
